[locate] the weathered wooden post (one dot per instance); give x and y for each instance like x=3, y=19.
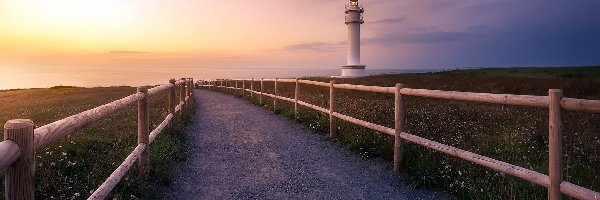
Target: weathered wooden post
x=332, y=125
x=555, y=144
x=275, y=98
x=243, y=87
x=192, y=86
x=260, y=97
x=191, y=89
x=187, y=86
x=251, y=87
x=296, y=100
x=172, y=102
x=398, y=127
x=19, y=178
x=236, y=86
x=182, y=92
x=143, y=130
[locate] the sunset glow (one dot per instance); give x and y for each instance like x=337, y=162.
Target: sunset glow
x=37, y=35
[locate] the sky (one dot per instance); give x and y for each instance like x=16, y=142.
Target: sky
x=62, y=35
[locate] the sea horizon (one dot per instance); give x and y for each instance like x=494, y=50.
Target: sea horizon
x=155, y=76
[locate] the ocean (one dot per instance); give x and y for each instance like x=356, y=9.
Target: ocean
x=98, y=77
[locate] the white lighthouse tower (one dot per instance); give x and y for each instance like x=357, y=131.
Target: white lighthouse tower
x=353, y=20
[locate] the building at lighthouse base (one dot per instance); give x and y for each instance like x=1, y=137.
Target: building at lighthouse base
x=350, y=71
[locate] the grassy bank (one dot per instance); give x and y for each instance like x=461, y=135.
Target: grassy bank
x=514, y=134
x=75, y=166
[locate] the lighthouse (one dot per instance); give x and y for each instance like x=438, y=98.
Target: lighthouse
x=353, y=20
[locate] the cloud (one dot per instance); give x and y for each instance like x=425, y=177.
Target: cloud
x=389, y=20
x=420, y=37
x=315, y=46
x=126, y=52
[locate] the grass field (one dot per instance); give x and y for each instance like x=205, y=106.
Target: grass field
x=514, y=134
x=75, y=166
x=538, y=72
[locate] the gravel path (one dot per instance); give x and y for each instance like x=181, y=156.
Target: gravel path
x=237, y=150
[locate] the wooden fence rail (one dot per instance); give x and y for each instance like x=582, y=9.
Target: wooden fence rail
x=21, y=139
x=554, y=102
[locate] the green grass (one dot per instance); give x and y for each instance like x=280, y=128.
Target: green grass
x=76, y=165
x=514, y=134
x=536, y=72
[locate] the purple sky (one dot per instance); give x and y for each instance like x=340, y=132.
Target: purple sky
x=475, y=33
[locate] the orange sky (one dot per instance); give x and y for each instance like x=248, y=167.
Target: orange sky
x=44, y=35
x=75, y=32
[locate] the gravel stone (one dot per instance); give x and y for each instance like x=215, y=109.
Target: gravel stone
x=237, y=150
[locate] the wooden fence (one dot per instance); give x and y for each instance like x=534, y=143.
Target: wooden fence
x=21, y=139
x=555, y=102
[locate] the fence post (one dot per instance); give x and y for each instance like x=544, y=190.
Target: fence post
x=251, y=87
x=19, y=178
x=188, y=88
x=243, y=87
x=192, y=86
x=260, y=97
x=398, y=127
x=172, y=102
x=332, y=125
x=555, y=144
x=275, y=98
x=236, y=87
x=143, y=126
x=182, y=92
x=296, y=100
